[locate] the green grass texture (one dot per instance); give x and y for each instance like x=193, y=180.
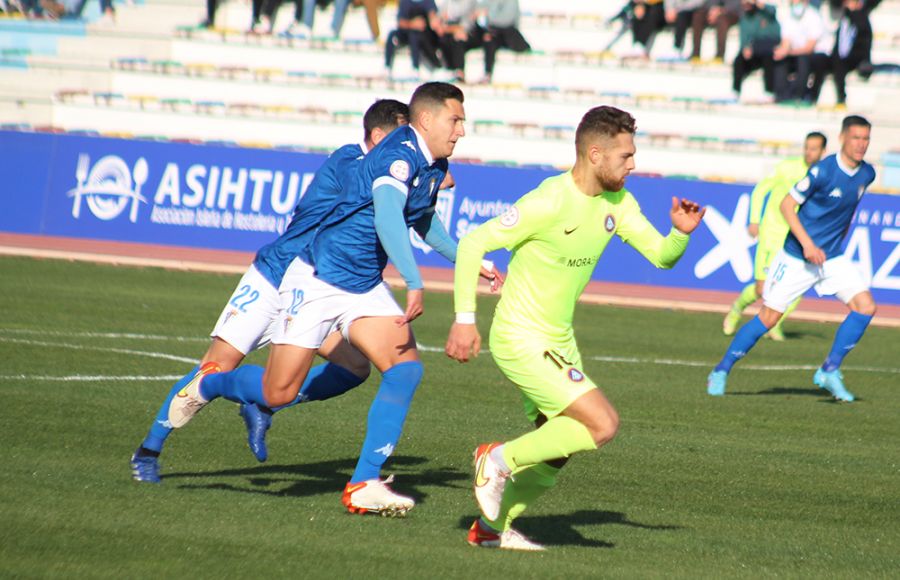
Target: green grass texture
x=773, y=480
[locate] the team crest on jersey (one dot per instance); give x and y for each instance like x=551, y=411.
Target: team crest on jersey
x=510, y=217
x=575, y=375
x=803, y=185
x=609, y=223
x=400, y=170
x=836, y=192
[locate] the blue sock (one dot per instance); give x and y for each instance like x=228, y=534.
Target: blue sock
x=242, y=385
x=325, y=382
x=386, y=417
x=743, y=341
x=848, y=334
x=160, y=429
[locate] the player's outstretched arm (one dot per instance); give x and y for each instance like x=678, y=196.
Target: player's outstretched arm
x=686, y=215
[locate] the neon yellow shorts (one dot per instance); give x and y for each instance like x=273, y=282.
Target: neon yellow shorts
x=549, y=376
x=766, y=250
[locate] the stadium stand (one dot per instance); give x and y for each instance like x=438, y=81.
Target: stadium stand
x=156, y=73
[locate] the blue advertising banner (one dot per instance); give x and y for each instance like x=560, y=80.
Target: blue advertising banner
x=239, y=199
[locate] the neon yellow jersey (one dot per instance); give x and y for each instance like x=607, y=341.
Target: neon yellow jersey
x=772, y=224
x=556, y=234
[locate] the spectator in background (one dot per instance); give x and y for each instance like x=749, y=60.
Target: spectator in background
x=648, y=18
x=820, y=64
x=269, y=12
x=417, y=27
x=680, y=14
x=720, y=14
x=309, y=16
x=459, y=33
x=72, y=9
x=760, y=35
x=501, y=21
x=801, y=30
x=852, y=45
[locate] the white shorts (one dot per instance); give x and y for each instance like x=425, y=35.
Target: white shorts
x=247, y=321
x=790, y=277
x=311, y=309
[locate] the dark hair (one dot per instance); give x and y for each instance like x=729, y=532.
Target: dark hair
x=818, y=135
x=385, y=114
x=603, y=121
x=854, y=121
x=432, y=95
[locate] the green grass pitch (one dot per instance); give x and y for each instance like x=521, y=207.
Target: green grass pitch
x=773, y=480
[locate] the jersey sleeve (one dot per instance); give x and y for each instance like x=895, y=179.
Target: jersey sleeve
x=528, y=216
x=813, y=181
x=392, y=166
x=636, y=230
x=758, y=198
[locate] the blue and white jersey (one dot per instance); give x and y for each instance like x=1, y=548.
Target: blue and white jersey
x=828, y=197
x=273, y=259
x=345, y=250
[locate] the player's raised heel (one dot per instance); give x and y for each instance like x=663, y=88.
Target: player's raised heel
x=511, y=539
x=490, y=481
x=374, y=496
x=716, y=382
x=258, y=421
x=833, y=382
x=189, y=401
x=144, y=468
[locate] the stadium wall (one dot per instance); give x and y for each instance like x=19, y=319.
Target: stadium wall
x=232, y=198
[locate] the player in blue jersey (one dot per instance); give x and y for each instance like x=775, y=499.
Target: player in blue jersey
x=246, y=321
x=812, y=257
x=339, y=286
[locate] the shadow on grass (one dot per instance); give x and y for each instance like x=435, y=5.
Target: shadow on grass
x=323, y=477
x=561, y=530
x=783, y=391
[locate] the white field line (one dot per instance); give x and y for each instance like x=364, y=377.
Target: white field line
x=90, y=378
x=422, y=347
x=99, y=349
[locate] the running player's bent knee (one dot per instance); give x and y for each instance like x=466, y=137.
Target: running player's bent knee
x=604, y=426
x=403, y=378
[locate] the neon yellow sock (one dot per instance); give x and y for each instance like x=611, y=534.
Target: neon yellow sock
x=747, y=297
x=557, y=438
x=522, y=489
x=791, y=307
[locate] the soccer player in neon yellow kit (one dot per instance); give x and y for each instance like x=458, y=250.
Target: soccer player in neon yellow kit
x=556, y=233
x=772, y=229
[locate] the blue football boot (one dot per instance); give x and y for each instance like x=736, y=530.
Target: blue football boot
x=833, y=382
x=258, y=422
x=145, y=468
x=715, y=383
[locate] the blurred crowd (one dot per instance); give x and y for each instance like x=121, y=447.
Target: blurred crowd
x=438, y=33
x=55, y=9
x=796, y=47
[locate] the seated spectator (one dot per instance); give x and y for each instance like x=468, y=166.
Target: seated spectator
x=760, y=35
x=680, y=14
x=501, y=23
x=269, y=11
x=459, y=33
x=721, y=14
x=648, y=17
x=417, y=23
x=820, y=65
x=852, y=45
x=309, y=16
x=72, y=9
x=801, y=30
